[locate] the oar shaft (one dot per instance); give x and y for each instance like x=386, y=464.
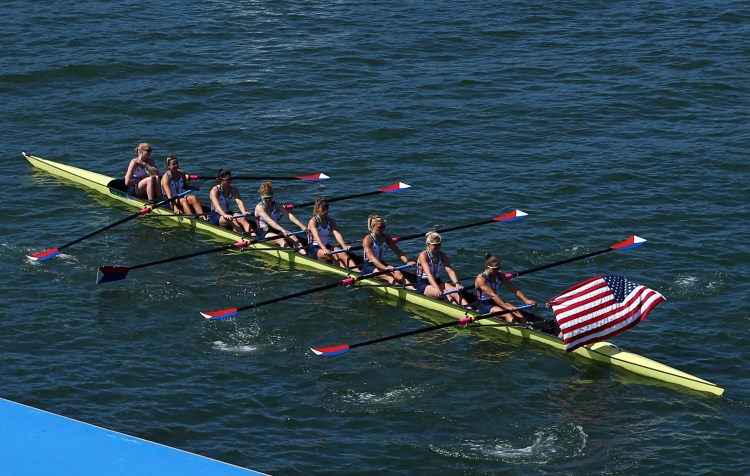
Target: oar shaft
x=142, y=211
x=557, y=263
x=463, y=320
x=239, y=244
x=542, y=267
x=290, y=296
x=344, y=282
x=312, y=178
x=396, y=239
x=458, y=322
x=330, y=200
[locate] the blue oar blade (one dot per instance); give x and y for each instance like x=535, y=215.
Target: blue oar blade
x=107, y=274
x=44, y=255
x=511, y=216
x=331, y=351
x=632, y=242
x=217, y=315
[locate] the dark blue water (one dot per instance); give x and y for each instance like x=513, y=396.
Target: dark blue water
x=599, y=119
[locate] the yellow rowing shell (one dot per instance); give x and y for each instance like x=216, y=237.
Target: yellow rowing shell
x=600, y=351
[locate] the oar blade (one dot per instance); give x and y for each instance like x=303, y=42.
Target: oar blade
x=511, y=216
x=218, y=315
x=331, y=351
x=314, y=177
x=632, y=242
x=107, y=274
x=396, y=187
x=44, y=255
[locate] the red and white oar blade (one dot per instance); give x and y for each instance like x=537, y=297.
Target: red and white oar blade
x=44, y=255
x=511, y=216
x=631, y=242
x=218, y=315
x=107, y=274
x=396, y=187
x=330, y=351
x=314, y=177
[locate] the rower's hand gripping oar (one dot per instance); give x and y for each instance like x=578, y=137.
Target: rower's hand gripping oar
x=340, y=349
x=319, y=177
x=396, y=187
x=510, y=216
x=632, y=242
x=225, y=313
x=110, y=273
x=52, y=252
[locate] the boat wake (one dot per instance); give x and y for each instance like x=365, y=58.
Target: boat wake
x=549, y=444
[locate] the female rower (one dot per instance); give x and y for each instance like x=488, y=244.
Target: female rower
x=142, y=176
x=375, y=245
x=429, y=264
x=173, y=183
x=268, y=213
x=222, y=195
x=319, y=231
x=488, y=284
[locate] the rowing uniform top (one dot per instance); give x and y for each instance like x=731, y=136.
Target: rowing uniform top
x=434, y=267
x=179, y=186
x=324, y=233
x=377, y=249
x=274, y=213
x=223, y=201
x=140, y=172
x=495, y=285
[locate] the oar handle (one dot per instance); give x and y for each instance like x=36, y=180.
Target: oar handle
x=352, y=280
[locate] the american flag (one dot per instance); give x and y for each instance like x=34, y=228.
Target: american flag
x=600, y=308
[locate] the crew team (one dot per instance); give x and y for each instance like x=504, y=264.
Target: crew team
x=324, y=239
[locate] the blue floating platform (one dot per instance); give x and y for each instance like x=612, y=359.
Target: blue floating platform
x=36, y=442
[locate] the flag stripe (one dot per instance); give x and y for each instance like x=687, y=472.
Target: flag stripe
x=601, y=307
x=612, y=327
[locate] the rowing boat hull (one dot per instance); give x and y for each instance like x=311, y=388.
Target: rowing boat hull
x=600, y=351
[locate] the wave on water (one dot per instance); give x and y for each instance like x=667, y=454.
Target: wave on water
x=241, y=341
x=548, y=444
x=222, y=346
x=685, y=286
x=357, y=401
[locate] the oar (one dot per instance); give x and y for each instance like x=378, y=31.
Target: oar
x=396, y=187
x=52, y=252
x=111, y=273
x=340, y=349
x=225, y=313
x=194, y=215
x=510, y=216
x=307, y=178
x=632, y=242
